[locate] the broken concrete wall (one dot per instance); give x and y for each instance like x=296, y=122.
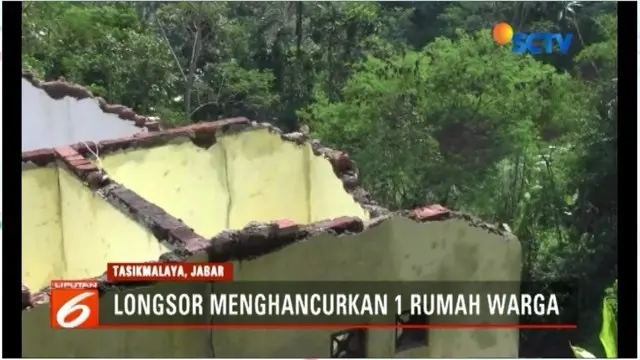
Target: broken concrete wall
x=325, y=257
x=389, y=251
x=397, y=249
x=195, y=175
x=466, y=253
x=47, y=122
x=251, y=175
x=69, y=232
x=58, y=113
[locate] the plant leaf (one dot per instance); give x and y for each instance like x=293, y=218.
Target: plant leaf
x=581, y=353
x=609, y=331
x=568, y=200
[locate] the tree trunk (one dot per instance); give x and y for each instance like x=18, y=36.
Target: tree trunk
x=299, y=7
x=195, y=54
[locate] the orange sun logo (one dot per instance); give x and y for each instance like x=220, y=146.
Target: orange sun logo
x=502, y=33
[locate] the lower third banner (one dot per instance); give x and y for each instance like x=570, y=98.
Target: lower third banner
x=317, y=305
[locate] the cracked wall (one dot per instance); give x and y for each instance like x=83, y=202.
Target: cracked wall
x=253, y=175
x=69, y=232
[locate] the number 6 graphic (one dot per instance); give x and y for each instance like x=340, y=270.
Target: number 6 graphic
x=71, y=306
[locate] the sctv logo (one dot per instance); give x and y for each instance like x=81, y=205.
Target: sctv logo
x=534, y=43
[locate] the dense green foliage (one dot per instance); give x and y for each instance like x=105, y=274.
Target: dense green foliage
x=430, y=107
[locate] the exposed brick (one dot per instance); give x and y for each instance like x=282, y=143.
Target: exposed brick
x=152, y=125
x=183, y=234
x=139, y=120
x=339, y=225
x=285, y=223
x=65, y=151
x=292, y=231
x=430, y=212
x=95, y=179
x=85, y=148
x=40, y=156
x=142, y=135
x=76, y=162
x=90, y=144
x=340, y=161
x=119, y=143
x=210, y=127
x=151, y=138
x=86, y=167
x=121, y=111
x=76, y=157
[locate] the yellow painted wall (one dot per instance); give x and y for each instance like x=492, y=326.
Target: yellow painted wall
x=244, y=177
x=397, y=250
x=267, y=178
x=42, y=245
x=70, y=232
x=187, y=181
x=327, y=197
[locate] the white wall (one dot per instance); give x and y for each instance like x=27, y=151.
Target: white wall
x=48, y=123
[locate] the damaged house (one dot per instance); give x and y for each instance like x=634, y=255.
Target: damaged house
x=280, y=206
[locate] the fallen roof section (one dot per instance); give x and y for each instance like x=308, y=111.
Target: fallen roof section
x=252, y=241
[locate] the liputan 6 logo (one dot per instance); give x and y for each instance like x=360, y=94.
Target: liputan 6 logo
x=74, y=304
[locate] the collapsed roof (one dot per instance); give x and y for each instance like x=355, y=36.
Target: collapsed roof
x=114, y=208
